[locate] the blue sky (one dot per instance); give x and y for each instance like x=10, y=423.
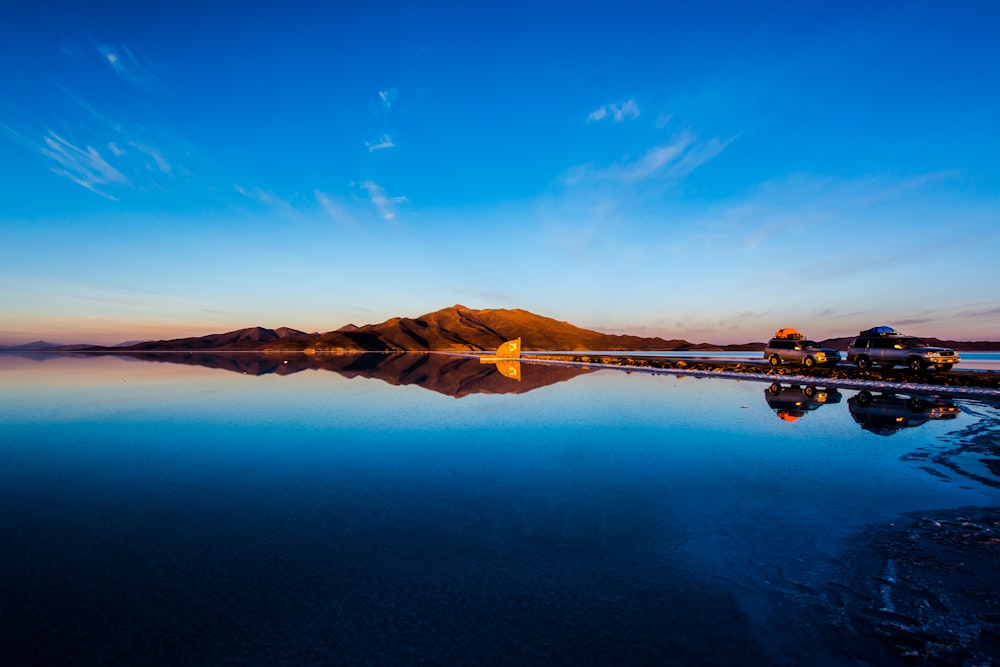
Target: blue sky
x=712, y=172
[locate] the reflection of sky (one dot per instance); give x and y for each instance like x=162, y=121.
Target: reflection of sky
x=681, y=171
x=346, y=500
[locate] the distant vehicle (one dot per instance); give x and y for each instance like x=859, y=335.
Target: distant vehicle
x=888, y=348
x=791, y=402
x=788, y=345
x=888, y=413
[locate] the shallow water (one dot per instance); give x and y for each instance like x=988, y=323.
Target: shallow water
x=160, y=513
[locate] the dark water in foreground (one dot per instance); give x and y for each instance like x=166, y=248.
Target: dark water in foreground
x=156, y=513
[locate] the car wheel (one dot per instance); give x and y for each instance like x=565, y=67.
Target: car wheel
x=916, y=364
x=916, y=405
x=944, y=368
x=864, y=398
x=808, y=362
x=774, y=389
x=809, y=391
x=864, y=363
x=775, y=360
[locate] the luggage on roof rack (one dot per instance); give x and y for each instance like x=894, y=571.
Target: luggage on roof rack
x=788, y=333
x=880, y=331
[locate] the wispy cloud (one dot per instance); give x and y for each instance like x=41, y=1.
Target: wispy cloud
x=267, y=198
x=388, y=97
x=336, y=210
x=132, y=67
x=384, y=142
x=152, y=153
x=99, y=151
x=981, y=314
x=385, y=205
x=700, y=326
x=84, y=166
x=912, y=321
x=878, y=190
x=616, y=112
x=671, y=161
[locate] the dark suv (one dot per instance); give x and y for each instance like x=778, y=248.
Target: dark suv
x=799, y=351
x=889, y=348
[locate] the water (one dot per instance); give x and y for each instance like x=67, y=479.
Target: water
x=354, y=511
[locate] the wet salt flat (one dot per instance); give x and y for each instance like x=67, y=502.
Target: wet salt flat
x=415, y=511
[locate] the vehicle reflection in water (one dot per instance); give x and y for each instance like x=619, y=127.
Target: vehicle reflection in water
x=888, y=413
x=791, y=402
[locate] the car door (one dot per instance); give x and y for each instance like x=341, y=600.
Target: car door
x=879, y=350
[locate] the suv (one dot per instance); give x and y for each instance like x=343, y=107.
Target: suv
x=795, y=348
x=889, y=348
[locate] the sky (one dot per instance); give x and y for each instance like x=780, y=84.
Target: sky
x=707, y=171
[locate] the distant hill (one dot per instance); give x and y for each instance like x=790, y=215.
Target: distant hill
x=251, y=338
x=40, y=346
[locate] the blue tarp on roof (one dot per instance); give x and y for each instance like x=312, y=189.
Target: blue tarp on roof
x=880, y=331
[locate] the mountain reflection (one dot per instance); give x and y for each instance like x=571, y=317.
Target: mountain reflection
x=446, y=374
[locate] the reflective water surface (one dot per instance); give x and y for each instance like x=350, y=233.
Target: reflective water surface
x=425, y=509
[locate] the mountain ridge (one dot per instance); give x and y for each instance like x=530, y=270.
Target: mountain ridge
x=455, y=328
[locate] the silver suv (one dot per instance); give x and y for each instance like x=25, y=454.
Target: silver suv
x=800, y=351
x=888, y=348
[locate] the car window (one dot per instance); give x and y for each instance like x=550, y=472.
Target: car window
x=808, y=344
x=911, y=342
x=884, y=343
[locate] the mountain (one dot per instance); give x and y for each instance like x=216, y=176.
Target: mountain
x=456, y=328
x=251, y=338
x=40, y=346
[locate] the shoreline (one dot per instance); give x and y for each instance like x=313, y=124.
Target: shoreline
x=971, y=384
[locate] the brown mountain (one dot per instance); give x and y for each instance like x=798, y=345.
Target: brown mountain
x=454, y=328
x=461, y=328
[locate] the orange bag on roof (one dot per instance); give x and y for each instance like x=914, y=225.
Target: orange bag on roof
x=787, y=332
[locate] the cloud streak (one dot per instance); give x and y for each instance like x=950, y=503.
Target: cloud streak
x=335, y=210
x=84, y=166
x=131, y=68
x=388, y=97
x=670, y=161
x=385, y=205
x=615, y=112
x=383, y=143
